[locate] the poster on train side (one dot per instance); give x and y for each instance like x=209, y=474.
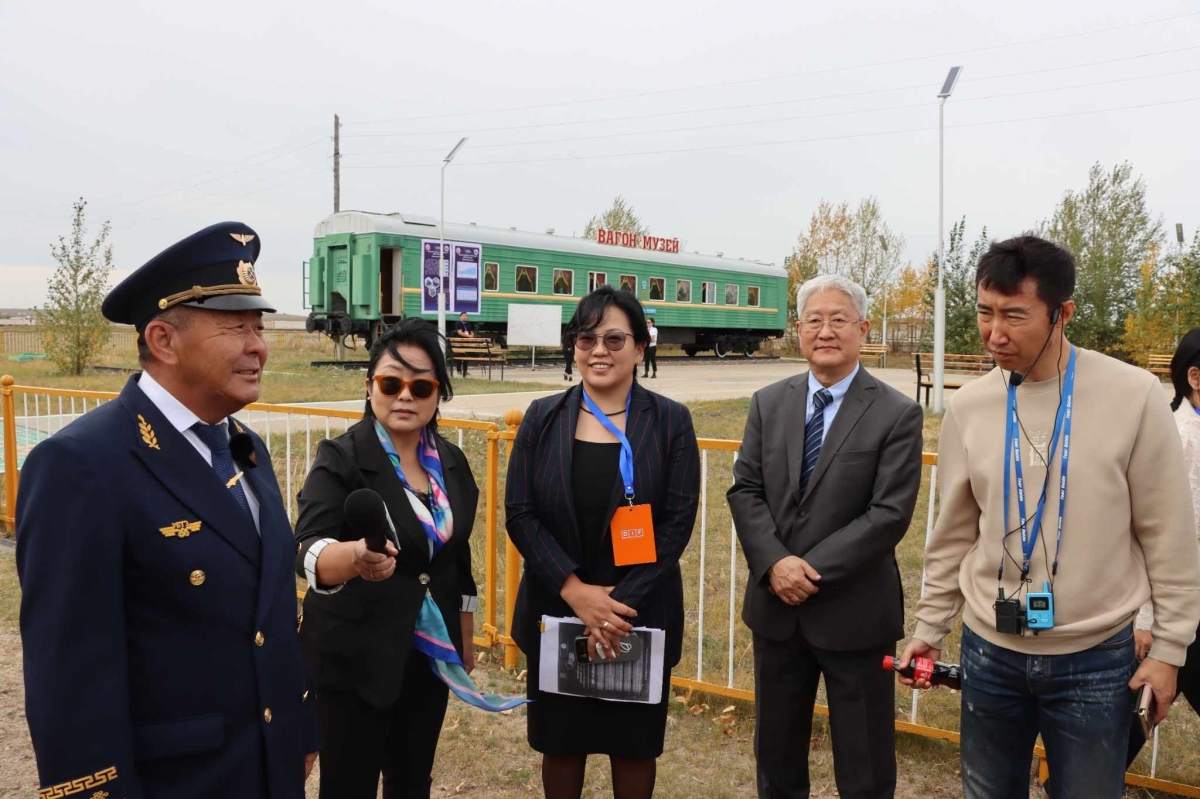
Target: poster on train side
x=464, y=281
x=429, y=274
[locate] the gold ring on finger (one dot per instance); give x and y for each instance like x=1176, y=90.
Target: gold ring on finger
x=604, y=626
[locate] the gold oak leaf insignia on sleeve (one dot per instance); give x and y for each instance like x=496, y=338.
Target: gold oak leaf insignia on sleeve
x=180, y=529
x=147, y=433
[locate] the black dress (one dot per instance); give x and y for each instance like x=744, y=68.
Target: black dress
x=574, y=725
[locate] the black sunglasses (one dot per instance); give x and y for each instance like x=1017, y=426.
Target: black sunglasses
x=421, y=388
x=614, y=340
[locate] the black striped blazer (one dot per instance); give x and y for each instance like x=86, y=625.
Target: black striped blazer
x=541, y=518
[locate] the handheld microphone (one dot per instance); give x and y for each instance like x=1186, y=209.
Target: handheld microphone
x=366, y=514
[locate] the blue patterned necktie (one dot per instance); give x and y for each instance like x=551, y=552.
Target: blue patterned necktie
x=216, y=436
x=814, y=435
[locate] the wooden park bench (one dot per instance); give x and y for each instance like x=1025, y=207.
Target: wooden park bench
x=877, y=351
x=477, y=349
x=1159, y=365
x=960, y=370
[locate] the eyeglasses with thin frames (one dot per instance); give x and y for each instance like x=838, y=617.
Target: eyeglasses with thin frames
x=814, y=324
x=614, y=340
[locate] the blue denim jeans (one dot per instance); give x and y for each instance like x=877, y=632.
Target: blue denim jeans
x=1080, y=703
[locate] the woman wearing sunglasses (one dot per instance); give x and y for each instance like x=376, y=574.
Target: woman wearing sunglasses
x=380, y=701
x=566, y=486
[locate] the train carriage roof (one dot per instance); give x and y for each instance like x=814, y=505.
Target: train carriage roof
x=361, y=222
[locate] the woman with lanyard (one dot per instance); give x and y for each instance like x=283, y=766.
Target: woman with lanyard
x=387, y=635
x=1185, y=376
x=585, y=462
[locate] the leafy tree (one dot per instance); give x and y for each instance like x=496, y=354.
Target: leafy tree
x=1149, y=327
x=620, y=216
x=839, y=241
x=908, y=314
x=1111, y=233
x=75, y=329
x=958, y=277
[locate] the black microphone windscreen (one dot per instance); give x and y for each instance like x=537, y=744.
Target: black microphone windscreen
x=1015, y=379
x=366, y=516
x=241, y=447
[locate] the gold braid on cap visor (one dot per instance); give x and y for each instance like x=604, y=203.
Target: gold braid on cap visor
x=201, y=292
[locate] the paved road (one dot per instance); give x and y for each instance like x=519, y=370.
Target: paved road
x=685, y=383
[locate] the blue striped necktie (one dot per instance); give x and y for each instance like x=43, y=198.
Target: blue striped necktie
x=216, y=436
x=814, y=435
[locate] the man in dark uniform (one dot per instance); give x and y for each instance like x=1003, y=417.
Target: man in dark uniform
x=158, y=613
x=464, y=330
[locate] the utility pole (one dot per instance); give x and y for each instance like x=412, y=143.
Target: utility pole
x=337, y=165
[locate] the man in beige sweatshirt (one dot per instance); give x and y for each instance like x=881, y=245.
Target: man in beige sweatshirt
x=1126, y=537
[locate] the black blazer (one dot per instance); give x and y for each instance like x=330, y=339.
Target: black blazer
x=359, y=639
x=854, y=511
x=541, y=516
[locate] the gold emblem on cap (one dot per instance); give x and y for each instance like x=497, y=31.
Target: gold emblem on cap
x=244, y=238
x=162, y=304
x=246, y=274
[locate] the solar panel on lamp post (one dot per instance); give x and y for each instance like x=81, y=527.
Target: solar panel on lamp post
x=939, y=297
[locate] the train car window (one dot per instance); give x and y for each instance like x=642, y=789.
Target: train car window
x=527, y=280
x=658, y=289
x=491, y=276
x=596, y=280
x=708, y=293
x=752, y=296
x=731, y=294
x=683, y=291
x=629, y=283
x=564, y=281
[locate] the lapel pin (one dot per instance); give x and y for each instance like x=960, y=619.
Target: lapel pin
x=181, y=529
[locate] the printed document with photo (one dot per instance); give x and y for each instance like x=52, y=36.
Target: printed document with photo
x=562, y=672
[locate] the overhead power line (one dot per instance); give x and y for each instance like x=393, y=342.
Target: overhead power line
x=744, y=106
x=774, y=120
x=743, y=145
x=807, y=73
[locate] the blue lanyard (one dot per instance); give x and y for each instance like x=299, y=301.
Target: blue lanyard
x=626, y=449
x=1012, y=451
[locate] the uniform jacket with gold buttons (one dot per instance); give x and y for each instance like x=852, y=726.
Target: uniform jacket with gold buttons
x=159, y=627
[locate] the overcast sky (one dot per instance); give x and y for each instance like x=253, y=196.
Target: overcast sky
x=724, y=124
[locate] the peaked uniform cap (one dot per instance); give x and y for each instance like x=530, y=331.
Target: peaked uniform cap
x=213, y=268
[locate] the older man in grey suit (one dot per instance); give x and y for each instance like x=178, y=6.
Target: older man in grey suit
x=824, y=488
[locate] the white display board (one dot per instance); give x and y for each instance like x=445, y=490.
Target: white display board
x=535, y=325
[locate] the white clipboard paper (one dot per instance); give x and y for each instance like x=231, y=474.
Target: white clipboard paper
x=561, y=673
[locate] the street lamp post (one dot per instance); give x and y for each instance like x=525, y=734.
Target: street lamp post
x=939, y=296
x=443, y=262
x=886, y=279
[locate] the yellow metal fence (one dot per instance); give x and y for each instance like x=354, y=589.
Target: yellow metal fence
x=17, y=340
x=30, y=414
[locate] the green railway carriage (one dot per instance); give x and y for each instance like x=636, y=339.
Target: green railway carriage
x=367, y=271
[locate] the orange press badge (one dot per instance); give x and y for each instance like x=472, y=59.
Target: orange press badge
x=633, y=535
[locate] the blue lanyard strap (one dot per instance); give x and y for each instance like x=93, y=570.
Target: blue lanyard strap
x=1012, y=462
x=626, y=449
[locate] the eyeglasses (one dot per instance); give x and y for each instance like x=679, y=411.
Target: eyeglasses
x=614, y=340
x=421, y=388
x=814, y=324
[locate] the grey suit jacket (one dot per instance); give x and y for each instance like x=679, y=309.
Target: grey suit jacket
x=854, y=511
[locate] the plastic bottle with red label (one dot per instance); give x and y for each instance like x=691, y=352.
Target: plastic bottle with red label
x=923, y=669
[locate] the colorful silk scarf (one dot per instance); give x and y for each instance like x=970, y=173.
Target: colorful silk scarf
x=431, y=636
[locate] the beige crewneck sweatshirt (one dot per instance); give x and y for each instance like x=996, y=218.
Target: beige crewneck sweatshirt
x=1128, y=532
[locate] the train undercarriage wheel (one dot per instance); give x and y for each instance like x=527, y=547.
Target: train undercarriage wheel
x=721, y=348
x=690, y=351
